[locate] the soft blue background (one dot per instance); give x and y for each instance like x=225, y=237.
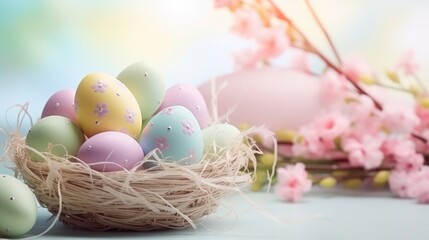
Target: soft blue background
x=50, y=45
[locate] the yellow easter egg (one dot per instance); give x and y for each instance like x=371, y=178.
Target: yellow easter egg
x=103, y=104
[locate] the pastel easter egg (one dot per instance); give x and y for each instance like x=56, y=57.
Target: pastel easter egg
x=18, y=207
x=176, y=133
x=55, y=134
x=147, y=86
x=61, y=103
x=219, y=136
x=273, y=97
x=103, y=103
x=188, y=96
x=111, y=151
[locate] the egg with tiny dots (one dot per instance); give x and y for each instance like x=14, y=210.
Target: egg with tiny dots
x=103, y=104
x=187, y=95
x=61, y=103
x=111, y=151
x=18, y=207
x=176, y=134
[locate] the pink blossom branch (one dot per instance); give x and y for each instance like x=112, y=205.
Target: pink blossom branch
x=327, y=36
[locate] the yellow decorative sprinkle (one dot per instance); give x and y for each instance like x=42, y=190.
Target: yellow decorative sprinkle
x=353, y=183
x=243, y=126
x=368, y=80
x=424, y=102
x=393, y=76
x=381, y=177
x=254, y=187
x=415, y=90
x=285, y=135
x=328, y=182
x=261, y=176
x=266, y=159
x=340, y=173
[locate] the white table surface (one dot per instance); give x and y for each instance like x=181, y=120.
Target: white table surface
x=323, y=214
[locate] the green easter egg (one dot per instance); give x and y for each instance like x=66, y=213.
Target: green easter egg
x=218, y=136
x=18, y=207
x=147, y=86
x=56, y=134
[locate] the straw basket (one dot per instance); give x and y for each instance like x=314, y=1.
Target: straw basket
x=166, y=196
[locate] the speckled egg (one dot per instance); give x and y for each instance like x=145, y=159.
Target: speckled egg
x=18, y=207
x=176, y=133
x=218, y=136
x=103, y=103
x=55, y=134
x=147, y=86
x=61, y=103
x=188, y=96
x=111, y=151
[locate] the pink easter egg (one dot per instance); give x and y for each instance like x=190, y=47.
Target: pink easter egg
x=272, y=97
x=188, y=96
x=111, y=151
x=61, y=103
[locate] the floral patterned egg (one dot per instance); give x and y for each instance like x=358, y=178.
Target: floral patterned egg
x=190, y=97
x=176, y=133
x=103, y=103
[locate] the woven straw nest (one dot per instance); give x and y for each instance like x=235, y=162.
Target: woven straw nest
x=165, y=196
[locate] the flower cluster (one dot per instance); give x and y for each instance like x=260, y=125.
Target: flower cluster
x=359, y=131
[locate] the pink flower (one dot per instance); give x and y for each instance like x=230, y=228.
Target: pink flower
x=129, y=116
x=247, y=23
x=333, y=85
x=245, y=59
x=365, y=152
x=162, y=143
x=398, y=148
x=225, y=3
x=272, y=42
x=311, y=146
x=419, y=185
x=399, y=183
x=399, y=119
x=423, y=114
x=187, y=128
x=292, y=182
x=101, y=109
x=406, y=63
x=410, y=163
x=331, y=125
x=356, y=67
x=99, y=87
x=300, y=61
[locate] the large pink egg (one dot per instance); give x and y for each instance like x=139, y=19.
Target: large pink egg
x=188, y=96
x=111, y=151
x=61, y=103
x=272, y=97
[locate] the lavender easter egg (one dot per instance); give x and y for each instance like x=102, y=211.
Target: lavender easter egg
x=103, y=103
x=111, y=151
x=272, y=97
x=176, y=133
x=147, y=86
x=61, y=103
x=188, y=96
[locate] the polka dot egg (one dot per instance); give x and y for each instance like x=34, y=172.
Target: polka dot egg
x=176, y=133
x=103, y=103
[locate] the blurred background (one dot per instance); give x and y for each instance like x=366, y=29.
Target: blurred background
x=46, y=46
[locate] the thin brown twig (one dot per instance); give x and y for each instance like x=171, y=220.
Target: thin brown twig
x=323, y=29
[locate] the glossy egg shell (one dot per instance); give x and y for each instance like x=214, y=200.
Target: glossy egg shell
x=111, y=151
x=188, y=96
x=61, y=103
x=56, y=132
x=18, y=207
x=176, y=133
x=103, y=104
x=147, y=86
